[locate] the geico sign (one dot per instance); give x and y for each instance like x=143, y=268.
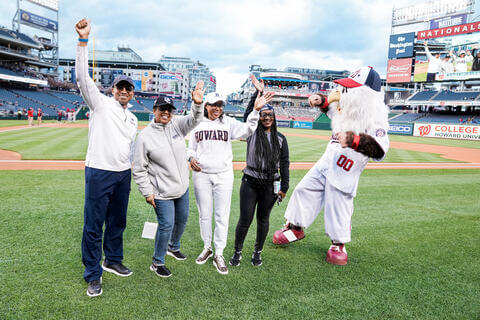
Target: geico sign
x=399, y=128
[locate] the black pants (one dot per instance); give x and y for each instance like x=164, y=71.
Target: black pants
x=259, y=194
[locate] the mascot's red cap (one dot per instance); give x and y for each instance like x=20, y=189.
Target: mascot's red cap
x=363, y=76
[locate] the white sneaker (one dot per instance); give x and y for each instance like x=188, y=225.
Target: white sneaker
x=203, y=257
x=219, y=263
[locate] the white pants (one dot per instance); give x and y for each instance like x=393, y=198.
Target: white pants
x=313, y=193
x=213, y=191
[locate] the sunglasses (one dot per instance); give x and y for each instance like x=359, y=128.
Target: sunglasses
x=266, y=115
x=127, y=87
x=165, y=107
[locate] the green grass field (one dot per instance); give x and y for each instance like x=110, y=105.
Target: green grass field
x=415, y=251
x=71, y=143
x=415, y=254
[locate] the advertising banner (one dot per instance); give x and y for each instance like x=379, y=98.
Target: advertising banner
x=401, y=128
x=401, y=45
x=137, y=80
x=399, y=70
x=147, y=81
x=457, y=76
x=447, y=131
x=449, y=31
x=448, y=21
x=283, y=123
x=303, y=124
x=168, y=82
x=396, y=97
x=38, y=21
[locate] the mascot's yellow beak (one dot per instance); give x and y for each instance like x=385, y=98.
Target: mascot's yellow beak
x=334, y=97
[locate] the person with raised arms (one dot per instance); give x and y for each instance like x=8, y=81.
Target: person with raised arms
x=111, y=133
x=160, y=169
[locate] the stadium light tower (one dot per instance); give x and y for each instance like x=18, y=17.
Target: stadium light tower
x=23, y=17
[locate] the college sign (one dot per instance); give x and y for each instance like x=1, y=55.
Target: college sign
x=447, y=131
x=401, y=45
x=449, y=31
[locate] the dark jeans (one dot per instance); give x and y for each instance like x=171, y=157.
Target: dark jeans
x=259, y=194
x=106, y=202
x=172, y=216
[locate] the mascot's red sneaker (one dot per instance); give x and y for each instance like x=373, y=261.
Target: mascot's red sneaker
x=337, y=254
x=289, y=233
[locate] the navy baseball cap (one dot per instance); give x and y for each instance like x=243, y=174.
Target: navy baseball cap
x=164, y=101
x=267, y=107
x=123, y=78
x=364, y=76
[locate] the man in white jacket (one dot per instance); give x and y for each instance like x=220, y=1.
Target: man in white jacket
x=111, y=133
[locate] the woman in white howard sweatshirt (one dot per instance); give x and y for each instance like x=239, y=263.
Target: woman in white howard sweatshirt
x=210, y=156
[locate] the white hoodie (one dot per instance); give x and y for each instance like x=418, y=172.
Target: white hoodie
x=111, y=128
x=211, y=141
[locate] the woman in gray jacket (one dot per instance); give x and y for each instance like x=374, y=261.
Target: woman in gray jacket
x=160, y=169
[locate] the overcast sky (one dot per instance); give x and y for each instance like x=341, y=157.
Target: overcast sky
x=229, y=36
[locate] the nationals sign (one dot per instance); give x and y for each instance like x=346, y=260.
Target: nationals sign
x=449, y=31
x=447, y=131
x=399, y=70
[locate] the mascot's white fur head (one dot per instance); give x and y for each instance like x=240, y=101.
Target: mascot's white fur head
x=358, y=103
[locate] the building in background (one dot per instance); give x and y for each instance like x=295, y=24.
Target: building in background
x=149, y=77
x=195, y=69
x=292, y=86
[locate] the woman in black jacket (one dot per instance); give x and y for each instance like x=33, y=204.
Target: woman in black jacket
x=267, y=170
